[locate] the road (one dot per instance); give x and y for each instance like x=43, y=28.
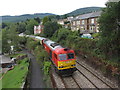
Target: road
x=36, y=77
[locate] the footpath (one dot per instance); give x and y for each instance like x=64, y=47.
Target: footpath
x=36, y=76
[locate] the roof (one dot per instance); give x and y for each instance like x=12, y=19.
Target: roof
x=96, y=14
x=40, y=38
x=4, y=59
x=52, y=45
x=88, y=15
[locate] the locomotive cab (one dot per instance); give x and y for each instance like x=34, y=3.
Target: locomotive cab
x=63, y=59
x=66, y=61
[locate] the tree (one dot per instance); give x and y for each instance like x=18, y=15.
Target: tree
x=21, y=27
x=50, y=28
x=45, y=20
x=10, y=38
x=4, y=25
x=13, y=37
x=30, y=26
x=64, y=16
x=110, y=30
x=37, y=19
x=65, y=36
x=5, y=44
x=57, y=17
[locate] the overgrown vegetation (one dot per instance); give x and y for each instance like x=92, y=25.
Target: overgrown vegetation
x=10, y=38
x=10, y=31
x=109, y=41
x=50, y=28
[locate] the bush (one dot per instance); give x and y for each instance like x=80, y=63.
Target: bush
x=95, y=35
x=31, y=44
x=47, y=66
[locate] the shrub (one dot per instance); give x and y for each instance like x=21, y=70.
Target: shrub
x=47, y=66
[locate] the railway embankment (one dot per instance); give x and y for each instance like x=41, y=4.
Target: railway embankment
x=105, y=70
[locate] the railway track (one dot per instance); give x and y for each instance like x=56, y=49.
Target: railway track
x=63, y=82
x=91, y=77
x=97, y=74
x=82, y=78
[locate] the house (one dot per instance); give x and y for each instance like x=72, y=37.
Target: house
x=86, y=23
x=38, y=29
x=61, y=21
x=70, y=18
x=6, y=63
x=64, y=22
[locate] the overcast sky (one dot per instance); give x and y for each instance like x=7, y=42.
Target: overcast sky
x=60, y=7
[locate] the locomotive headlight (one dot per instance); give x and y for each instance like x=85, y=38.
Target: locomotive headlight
x=61, y=66
x=73, y=65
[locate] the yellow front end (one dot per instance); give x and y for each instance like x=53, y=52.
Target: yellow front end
x=66, y=64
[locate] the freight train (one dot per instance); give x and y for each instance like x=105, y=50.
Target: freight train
x=64, y=59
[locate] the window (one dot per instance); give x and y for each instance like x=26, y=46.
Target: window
x=55, y=56
x=50, y=54
x=92, y=27
x=97, y=19
x=83, y=22
x=82, y=28
x=73, y=22
x=97, y=30
x=70, y=56
x=62, y=57
x=78, y=22
x=92, y=21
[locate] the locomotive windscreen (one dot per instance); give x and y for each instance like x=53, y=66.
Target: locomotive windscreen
x=70, y=56
x=62, y=56
x=66, y=56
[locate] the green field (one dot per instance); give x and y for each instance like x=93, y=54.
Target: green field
x=15, y=78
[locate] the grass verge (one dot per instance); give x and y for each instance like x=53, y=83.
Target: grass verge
x=15, y=78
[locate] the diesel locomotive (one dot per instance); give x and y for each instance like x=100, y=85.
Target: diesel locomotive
x=64, y=60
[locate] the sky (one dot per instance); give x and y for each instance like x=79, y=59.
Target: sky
x=60, y=7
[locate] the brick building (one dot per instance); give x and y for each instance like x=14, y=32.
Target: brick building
x=38, y=29
x=86, y=23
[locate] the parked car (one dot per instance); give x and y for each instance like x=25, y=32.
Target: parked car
x=87, y=36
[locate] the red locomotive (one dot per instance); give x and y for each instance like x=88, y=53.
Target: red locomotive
x=64, y=59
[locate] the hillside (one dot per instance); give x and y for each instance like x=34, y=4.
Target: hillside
x=84, y=10
x=41, y=15
x=24, y=17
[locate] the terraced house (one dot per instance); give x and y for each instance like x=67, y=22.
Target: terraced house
x=86, y=23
